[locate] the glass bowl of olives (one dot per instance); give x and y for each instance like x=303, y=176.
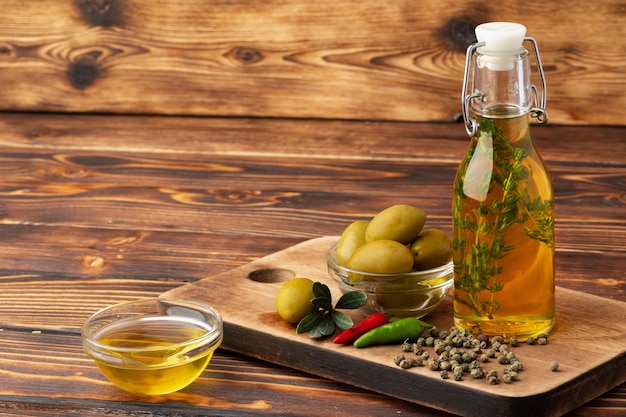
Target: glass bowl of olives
x=406, y=294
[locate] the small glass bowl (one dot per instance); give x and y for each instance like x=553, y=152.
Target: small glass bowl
x=155, y=345
x=412, y=294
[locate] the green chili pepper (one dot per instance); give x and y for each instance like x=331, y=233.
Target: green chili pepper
x=395, y=332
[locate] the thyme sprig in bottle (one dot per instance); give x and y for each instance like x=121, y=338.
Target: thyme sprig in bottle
x=503, y=202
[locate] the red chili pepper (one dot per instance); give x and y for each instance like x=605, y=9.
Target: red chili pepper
x=348, y=336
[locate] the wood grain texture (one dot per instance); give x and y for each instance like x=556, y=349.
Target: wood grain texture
x=99, y=209
x=367, y=60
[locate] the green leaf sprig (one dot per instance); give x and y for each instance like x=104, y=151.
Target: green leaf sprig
x=322, y=322
x=479, y=266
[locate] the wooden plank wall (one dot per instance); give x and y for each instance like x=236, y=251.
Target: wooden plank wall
x=342, y=59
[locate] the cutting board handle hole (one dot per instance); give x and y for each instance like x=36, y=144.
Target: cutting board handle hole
x=268, y=275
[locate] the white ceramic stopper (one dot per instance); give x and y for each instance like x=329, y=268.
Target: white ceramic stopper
x=501, y=39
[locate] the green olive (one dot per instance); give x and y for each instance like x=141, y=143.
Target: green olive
x=431, y=249
x=380, y=257
x=293, y=299
x=351, y=238
x=402, y=304
x=402, y=223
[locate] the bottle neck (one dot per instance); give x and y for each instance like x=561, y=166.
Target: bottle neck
x=501, y=85
x=509, y=130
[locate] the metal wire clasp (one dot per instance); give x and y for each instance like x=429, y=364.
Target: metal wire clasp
x=471, y=125
x=538, y=111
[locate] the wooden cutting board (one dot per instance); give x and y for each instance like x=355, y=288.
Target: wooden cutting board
x=588, y=341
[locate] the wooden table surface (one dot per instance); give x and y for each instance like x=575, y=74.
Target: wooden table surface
x=95, y=210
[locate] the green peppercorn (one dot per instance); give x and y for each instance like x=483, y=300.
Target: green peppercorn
x=457, y=373
x=444, y=374
x=554, y=366
x=433, y=364
x=542, y=341
x=398, y=359
x=514, y=342
x=477, y=373
x=530, y=340
x=507, y=379
x=409, y=363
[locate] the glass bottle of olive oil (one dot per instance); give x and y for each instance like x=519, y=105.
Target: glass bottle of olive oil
x=503, y=202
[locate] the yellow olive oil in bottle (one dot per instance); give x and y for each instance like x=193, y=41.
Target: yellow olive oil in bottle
x=503, y=201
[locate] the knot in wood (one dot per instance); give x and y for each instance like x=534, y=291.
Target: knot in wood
x=75, y=173
x=6, y=50
x=101, y=12
x=245, y=55
x=93, y=262
x=82, y=73
x=459, y=32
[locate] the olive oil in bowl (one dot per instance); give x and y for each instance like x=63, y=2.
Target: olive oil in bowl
x=156, y=351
